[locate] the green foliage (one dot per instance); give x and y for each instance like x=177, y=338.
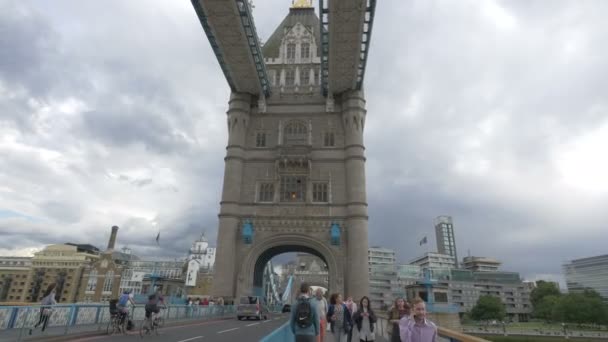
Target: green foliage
x=581, y=308
x=488, y=308
x=546, y=307
x=542, y=290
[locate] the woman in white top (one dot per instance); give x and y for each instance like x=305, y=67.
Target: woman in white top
x=364, y=319
x=45, y=309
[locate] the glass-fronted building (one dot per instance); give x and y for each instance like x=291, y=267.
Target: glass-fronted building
x=588, y=273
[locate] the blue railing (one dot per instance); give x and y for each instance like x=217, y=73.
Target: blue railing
x=15, y=321
x=282, y=334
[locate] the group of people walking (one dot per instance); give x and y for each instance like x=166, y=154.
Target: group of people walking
x=311, y=314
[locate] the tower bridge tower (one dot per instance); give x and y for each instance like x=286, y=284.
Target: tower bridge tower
x=294, y=178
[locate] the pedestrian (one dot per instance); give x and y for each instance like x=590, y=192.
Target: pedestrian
x=322, y=308
x=417, y=328
x=400, y=308
x=46, y=309
x=304, y=320
x=339, y=318
x=352, y=308
x=364, y=319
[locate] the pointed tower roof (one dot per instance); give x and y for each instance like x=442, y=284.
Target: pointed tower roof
x=303, y=15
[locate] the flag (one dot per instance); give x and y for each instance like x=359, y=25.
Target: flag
x=158, y=238
x=423, y=241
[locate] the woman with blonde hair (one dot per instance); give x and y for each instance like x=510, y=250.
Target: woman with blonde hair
x=400, y=308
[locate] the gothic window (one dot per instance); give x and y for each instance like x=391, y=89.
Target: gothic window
x=305, y=50
x=329, y=139
x=293, y=189
x=319, y=192
x=266, y=192
x=260, y=139
x=305, y=76
x=109, y=281
x=296, y=133
x=291, y=51
x=290, y=77
x=92, y=284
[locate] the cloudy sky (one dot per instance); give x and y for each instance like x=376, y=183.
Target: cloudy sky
x=493, y=112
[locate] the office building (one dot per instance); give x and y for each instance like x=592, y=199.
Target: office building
x=444, y=233
x=480, y=264
x=588, y=273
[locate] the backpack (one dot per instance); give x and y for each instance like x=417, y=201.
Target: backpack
x=304, y=313
x=123, y=300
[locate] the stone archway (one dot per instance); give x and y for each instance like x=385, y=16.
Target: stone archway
x=250, y=272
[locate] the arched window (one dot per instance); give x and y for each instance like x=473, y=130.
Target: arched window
x=296, y=133
x=109, y=281
x=92, y=284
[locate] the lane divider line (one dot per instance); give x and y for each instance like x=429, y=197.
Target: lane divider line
x=223, y=331
x=192, y=338
x=248, y=325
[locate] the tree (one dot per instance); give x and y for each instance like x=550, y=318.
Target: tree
x=546, y=307
x=542, y=290
x=488, y=308
x=580, y=308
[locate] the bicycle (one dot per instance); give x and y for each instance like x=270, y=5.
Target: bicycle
x=117, y=324
x=118, y=320
x=151, y=324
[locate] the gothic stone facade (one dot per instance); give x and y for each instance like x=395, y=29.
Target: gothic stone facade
x=294, y=166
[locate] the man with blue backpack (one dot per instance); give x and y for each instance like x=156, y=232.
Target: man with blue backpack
x=123, y=306
x=304, y=318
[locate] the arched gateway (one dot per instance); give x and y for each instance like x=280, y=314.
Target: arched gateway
x=294, y=178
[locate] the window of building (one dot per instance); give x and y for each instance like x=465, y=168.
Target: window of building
x=293, y=189
x=319, y=192
x=305, y=50
x=260, y=139
x=266, y=192
x=291, y=51
x=329, y=139
x=290, y=77
x=92, y=284
x=296, y=133
x=305, y=76
x=109, y=281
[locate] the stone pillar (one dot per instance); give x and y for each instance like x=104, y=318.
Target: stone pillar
x=357, y=269
x=225, y=271
x=112, y=241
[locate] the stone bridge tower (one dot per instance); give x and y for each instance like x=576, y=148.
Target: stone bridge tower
x=294, y=178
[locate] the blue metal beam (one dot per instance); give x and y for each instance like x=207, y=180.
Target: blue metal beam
x=254, y=44
x=202, y=17
x=252, y=41
x=324, y=30
x=370, y=11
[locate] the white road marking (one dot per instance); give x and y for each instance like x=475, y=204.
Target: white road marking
x=253, y=324
x=223, y=331
x=278, y=318
x=192, y=338
x=266, y=321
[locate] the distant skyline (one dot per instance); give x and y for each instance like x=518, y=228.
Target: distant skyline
x=492, y=112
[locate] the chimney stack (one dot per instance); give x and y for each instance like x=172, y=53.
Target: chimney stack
x=112, y=241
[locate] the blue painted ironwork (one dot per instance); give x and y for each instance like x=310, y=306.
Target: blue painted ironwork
x=15, y=321
x=370, y=10
x=335, y=234
x=202, y=17
x=247, y=232
x=324, y=31
x=254, y=44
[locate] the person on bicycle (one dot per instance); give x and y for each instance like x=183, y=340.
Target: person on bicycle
x=153, y=304
x=123, y=304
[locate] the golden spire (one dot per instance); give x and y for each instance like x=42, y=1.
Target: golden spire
x=301, y=4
